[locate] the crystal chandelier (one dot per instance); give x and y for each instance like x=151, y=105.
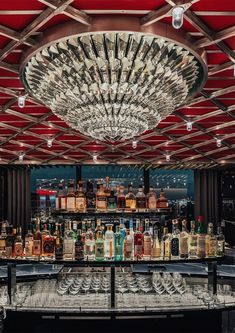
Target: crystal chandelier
x=112, y=85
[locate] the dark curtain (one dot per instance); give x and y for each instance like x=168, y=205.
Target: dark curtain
x=207, y=192
x=3, y=198
x=18, y=197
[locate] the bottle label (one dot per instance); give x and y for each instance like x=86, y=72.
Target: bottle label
x=70, y=203
x=138, y=250
x=2, y=244
x=18, y=249
x=141, y=203
x=48, y=246
x=184, y=246
x=147, y=246
x=57, y=203
x=201, y=245
x=28, y=248
x=90, y=202
x=130, y=203
x=59, y=252
x=167, y=249
x=80, y=203
x=99, y=250
x=121, y=202
x=37, y=247
x=68, y=247
x=175, y=247
x=156, y=252
x=101, y=202
x=63, y=203
x=79, y=254
x=152, y=203
x=212, y=247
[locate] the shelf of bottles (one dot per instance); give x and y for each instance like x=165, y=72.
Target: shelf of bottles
x=101, y=243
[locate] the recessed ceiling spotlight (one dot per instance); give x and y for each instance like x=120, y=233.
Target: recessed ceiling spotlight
x=95, y=157
x=49, y=143
x=218, y=142
x=21, y=156
x=177, y=17
x=21, y=101
x=189, y=125
x=134, y=144
x=168, y=157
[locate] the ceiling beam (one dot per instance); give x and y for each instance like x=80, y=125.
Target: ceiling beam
x=217, y=37
x=156, y=15
x=9, y=67
x=9, y=33
x=220, y=68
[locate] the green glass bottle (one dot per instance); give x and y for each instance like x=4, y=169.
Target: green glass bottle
x=118, y=244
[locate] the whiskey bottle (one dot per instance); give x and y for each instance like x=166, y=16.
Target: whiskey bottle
x=128, y=246
x=192, y=241
x=99, y=247
x=147, y=242
x=156, y=249
x=58, y=244
x=220, y=242
x=89, y=248
x=48, y=243
x=121, y=202
x=90, y=198
x=112, y=201
x=10, y=240
x=109, y=243
x=138, y=241
x=101, y=199
x=71, y=199
x=162, y=202
x=60, y=198
x=130, y=200
x=107, y=190
x=175, y=240
x=29, y=244
x=140, y=199
x=184, y=237
x=201, y=239
x=3, y=237
x=79, y=250
x=211, y=242
x=80, y=199
x=68, y=244
x=18, y=245
x=166, y=244
x=37, y=240
x=151, y=199
x=118, y=244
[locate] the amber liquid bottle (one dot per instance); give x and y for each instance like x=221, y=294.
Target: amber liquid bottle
x=37, y=240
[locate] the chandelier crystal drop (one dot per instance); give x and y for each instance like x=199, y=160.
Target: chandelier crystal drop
x=115, y=85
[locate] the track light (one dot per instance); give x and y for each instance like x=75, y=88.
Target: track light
x=168, y=157
x=21, y=157
x=177, y=16
x=21, y=101
x=218, y=142
x=134, y=144
x=49, y=143
x=95, y=157
x=189, y=125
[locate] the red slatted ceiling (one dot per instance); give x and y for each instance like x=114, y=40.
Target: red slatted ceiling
x=19, y=130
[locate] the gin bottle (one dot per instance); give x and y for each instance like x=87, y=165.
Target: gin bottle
x=99, y=246
x=128, y=246
x=184, y=237
x=109, y=243
x=175, y=240
x=192, y=241
x=68, y=245
x=211, y=242
x=118, y=248
x=220, y=242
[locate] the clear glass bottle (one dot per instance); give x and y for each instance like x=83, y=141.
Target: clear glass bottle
x=79, y=247
x=156, y=249
x=162, y=201
x=107, y=189
x=28, y=249
x=138, y=241
x=201, y=239
x=192, y=241
x=80, y=199
x=118, y=244
x=71, y=198
x=175, y=240
x=58, y=244
x=99, y=246
x=184, y=241
x=220, y=242
x=130, y=200
x=68, y=243
x=140, y=199
x=59, y=196
x=128, y=246
x=89, y=248
x=109, y=243
x=151, y=199
x=18, y=245
x=112, y=201
x=147, y=242
x=101, y=199
x=90, y=198
x=121, y=202
x=211, y=242
x=37, y=239
x=48, y=243
x=166, y=244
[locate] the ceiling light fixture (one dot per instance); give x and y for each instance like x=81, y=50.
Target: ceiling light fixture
x=218, y=142
x=113, y=86
x=21, y=101
x=189, y=125
x=168, y=157
x=134, y=144
x=177, y=17
x=49, y=143
x=95, y=157
x=21, y=157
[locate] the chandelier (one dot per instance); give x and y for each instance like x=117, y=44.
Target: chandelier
x=112, y=85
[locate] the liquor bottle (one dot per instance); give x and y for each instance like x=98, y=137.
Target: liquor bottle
x=68, y=243
x=156, y=249
x=220, y=242
x=147, y=242
x=175, y=240
x=10, y=240
x=151, y=199
x=130, y=200
x=83, y=231
x=101, y=199
x=112, y=201
x=48, y=243
x=89, y=248
x=109, y=243
x=28, y=249
x=99, y=247
x=3, y=237
x=140, y=199
x=184, y=241
x=59, y=251
x=211, y=242
x=162, y=202
x=201, y=239
x=128, y=246
x=118, y=244
x=121, y=202
x=60, y=198
x=74, y=230
x=107, y=190
x=37, y=240
x=122, y=228
x=98, y=227
x=80, y=199
x=192, y=241
x=166, y=244
x=138, y=241
x=79, y=250
x=71, y=198
x=18, y=245
x=90, y=198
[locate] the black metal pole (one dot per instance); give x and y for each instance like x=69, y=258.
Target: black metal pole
x=146, y=181
x=11, y=281
x=78, y=173
x=212, y=276
x=112, y=286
